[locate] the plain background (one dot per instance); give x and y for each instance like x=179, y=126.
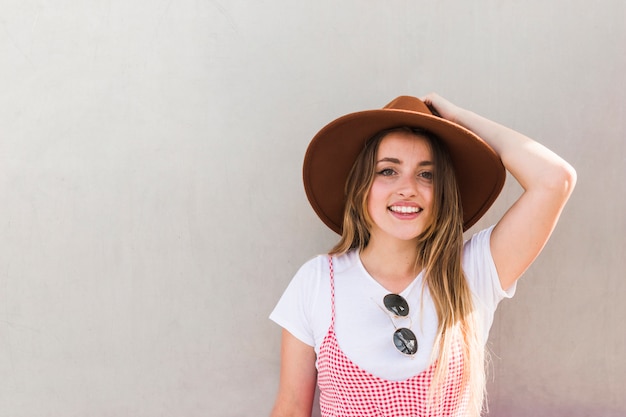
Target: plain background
x=152, y=212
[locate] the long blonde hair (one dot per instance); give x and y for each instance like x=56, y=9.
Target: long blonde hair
x=439, y=252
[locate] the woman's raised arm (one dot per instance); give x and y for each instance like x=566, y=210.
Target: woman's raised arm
x=546, y=178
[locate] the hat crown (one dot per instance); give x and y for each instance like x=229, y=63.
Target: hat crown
x=408, y=103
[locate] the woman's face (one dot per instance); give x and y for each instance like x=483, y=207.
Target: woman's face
x=400, y=200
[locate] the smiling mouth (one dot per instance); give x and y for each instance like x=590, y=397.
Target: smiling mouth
x=405, y=209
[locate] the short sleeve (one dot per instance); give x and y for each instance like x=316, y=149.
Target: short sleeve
x=482, y=275
x=294, y=309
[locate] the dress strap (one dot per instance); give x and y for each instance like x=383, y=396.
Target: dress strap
x=332, y=290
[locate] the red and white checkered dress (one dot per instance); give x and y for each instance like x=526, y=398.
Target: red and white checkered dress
x=346, y=390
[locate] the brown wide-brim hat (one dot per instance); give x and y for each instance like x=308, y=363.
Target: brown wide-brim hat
x=329, y=158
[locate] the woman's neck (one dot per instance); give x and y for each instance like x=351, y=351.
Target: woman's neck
x=393, y=264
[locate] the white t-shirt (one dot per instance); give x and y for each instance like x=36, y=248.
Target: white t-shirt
x=363, y=326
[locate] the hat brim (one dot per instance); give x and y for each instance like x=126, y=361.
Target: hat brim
x=332, y=152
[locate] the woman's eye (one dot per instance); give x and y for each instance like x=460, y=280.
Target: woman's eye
x=386, y=172
x=427, y=175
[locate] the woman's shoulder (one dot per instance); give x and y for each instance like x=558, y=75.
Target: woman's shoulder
x=477, y=246
x=480, y=269
x=477, y=261
x=319, y=265
x=343, y=260
x=479, y=236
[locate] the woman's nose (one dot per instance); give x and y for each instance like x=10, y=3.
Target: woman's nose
x=407, y=187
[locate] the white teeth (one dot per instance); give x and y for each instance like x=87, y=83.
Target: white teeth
x=405, y=209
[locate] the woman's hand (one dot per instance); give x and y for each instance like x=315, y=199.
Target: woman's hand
x=442, y=107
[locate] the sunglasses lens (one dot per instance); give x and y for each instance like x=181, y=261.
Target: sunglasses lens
x=405, y=341
x=397, y=305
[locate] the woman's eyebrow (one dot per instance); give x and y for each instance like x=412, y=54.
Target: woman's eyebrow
x=388, y=159
x=397, y=161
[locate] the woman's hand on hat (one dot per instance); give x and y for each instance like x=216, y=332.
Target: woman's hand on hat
x=442, y=107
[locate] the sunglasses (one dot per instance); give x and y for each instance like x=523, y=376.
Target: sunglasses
x=404, y=339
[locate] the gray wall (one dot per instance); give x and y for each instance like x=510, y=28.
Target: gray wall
x=152, y=212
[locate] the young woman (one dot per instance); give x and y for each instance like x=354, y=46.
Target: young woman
x=394, y=321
